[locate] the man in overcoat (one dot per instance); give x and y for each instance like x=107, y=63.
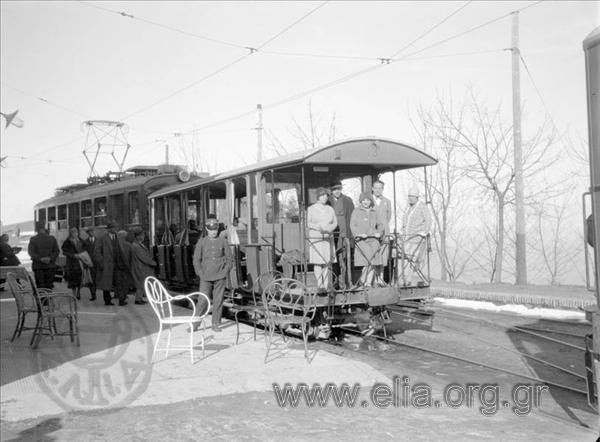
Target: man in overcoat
x=43, y=250
x=343, y=208
x=212, y=263
x=113, y=265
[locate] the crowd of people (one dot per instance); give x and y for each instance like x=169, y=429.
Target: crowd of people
x=336, y=229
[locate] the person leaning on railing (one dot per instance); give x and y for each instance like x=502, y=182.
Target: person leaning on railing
x=366, y=229
x=416, y=224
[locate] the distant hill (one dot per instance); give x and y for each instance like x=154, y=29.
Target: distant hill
x=14, y=230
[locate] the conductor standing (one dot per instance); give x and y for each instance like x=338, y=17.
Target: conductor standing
x=212, y=263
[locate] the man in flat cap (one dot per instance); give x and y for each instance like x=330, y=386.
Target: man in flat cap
x=212, y=263
x=43, y=250
x=343, y=208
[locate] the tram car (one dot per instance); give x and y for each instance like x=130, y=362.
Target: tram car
x=118, y=196
x=262, y=209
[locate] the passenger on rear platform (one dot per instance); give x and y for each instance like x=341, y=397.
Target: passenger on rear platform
x=321, y=222
x=416, y=224
x=366, y=230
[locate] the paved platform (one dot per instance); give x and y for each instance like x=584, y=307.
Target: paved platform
x=109, y=389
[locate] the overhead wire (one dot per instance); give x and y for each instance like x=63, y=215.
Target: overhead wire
x=161, y=25
x=363, y=71
x=228, y=65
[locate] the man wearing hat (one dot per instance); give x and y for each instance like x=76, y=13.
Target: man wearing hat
x=212, y=263
x=415, y=227
x=343, y=208
x=112, y=265
x=43, y=250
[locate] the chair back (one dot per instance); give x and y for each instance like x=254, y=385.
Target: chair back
x=20, y=287
x=159, y=298
x=287, y=296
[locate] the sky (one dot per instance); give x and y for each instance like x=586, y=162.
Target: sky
x=167, y=68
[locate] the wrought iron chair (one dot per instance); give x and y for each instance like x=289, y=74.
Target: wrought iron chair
x=24, y=299
x=256, y=310
x=50, y=305
x=162, y=304
x=287, y=302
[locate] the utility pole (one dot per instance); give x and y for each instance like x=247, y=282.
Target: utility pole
x=521, y=253
x=259, y=129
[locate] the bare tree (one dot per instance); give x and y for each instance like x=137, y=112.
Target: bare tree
x=314, y=132
x=486, y=139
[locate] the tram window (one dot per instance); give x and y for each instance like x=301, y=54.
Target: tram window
x=100, y=211
x=86, y=214
x=159, y=219
x=42, y=216
x=51, y=214
x=284, y=207
x=73, y=215
x=134, y=208
x=62, y=217
x=116, y=209
x=174, y=212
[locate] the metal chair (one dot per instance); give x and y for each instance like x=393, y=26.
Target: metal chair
x=24, y=299
x=50, y=305
x=162, y=304
x=287, y=302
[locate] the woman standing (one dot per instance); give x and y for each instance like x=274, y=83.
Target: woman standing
x=365, y=229
x=321, y=222
x=72, y=249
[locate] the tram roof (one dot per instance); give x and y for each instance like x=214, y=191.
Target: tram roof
x=593, y=39
x=378, y=153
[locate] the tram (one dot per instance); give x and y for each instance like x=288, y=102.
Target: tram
x=262, y=209
x=117, y=196
x=591, y=47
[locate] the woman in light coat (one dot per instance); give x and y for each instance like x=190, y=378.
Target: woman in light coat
x=321, y=222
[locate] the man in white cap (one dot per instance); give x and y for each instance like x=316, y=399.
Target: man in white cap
x=416, y=224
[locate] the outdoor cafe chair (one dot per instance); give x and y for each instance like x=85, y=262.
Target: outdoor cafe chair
x=50, y=305
x=24, y=300
x=287, y=302
x=162, y=304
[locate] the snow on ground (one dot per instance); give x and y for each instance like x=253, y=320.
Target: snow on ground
x=515, y=309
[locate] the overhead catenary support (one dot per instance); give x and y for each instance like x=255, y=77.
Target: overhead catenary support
x=521, y=252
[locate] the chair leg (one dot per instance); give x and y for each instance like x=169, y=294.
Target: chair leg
x=71, y=335
x=18, y=327
x=38, y=334
x=76, y=326
x=36, y=331
x=237, y=327
x=157, y=340
x=168, y=341
x=191, y=342
x=305, y=339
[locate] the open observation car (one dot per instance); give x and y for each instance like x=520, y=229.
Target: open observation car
x=262, y=209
